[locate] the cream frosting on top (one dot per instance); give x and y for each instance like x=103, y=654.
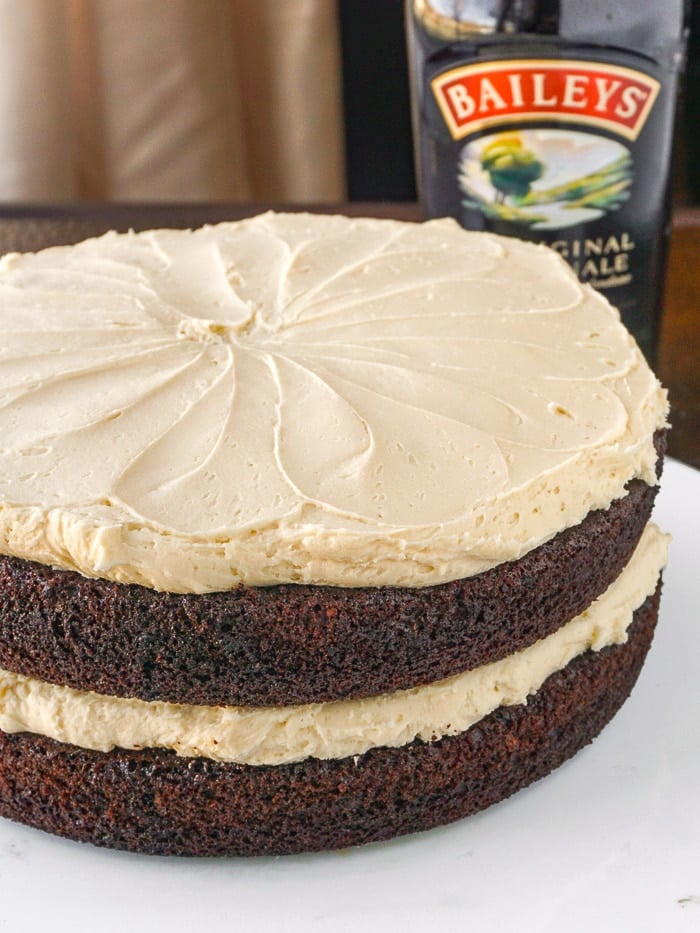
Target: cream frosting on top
x=300, y=398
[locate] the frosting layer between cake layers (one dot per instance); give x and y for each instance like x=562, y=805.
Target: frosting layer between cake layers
x=278, y=735
x=294, y=398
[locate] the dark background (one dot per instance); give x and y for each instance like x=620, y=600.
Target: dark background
x=377, y=114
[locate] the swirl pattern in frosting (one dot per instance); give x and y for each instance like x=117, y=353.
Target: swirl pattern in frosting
x=316, y=399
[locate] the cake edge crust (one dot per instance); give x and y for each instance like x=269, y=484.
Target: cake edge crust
x=154, y=802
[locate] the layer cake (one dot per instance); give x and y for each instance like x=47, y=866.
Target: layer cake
x=314, y=530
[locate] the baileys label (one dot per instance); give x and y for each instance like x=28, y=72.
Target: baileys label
x=513, y=167
x=474, y=97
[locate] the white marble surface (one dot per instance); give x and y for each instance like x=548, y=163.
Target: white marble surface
x=610, y=842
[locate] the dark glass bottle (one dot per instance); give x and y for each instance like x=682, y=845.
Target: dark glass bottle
x=552, y=120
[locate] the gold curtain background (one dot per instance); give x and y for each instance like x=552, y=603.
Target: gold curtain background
x=159, y=100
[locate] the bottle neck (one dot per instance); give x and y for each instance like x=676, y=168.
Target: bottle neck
x=454, y=19
x=653, y=28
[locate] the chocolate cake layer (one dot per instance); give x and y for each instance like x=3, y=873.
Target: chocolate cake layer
x=153, y=801
x=299, y=644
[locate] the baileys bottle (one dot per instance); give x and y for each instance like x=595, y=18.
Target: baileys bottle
x=552, y=120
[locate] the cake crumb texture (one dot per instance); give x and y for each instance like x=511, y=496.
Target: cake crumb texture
x=155, y=802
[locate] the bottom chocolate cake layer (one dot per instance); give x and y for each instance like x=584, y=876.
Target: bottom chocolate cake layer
x=156, y=802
